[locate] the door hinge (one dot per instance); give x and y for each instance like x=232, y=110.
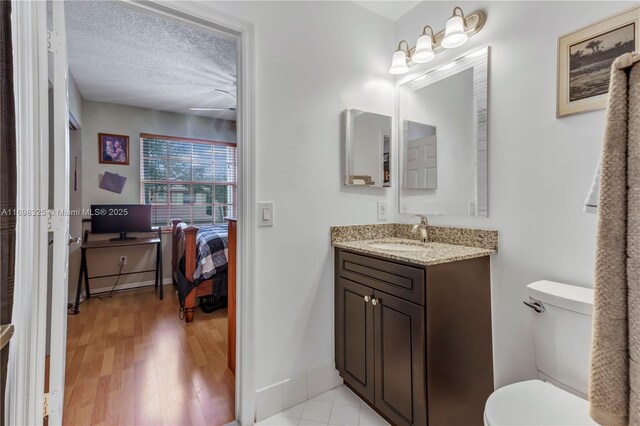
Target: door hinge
x=45, y=407
x=54, y=42
x=55, y=222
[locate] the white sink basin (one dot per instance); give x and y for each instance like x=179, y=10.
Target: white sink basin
x=397, y=247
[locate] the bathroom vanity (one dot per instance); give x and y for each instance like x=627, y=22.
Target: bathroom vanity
x=413, y=321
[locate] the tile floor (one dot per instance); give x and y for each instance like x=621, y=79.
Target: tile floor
x=339, y=406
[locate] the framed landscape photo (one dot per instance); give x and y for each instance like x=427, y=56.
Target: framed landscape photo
x=585, y=57
x=113, y=149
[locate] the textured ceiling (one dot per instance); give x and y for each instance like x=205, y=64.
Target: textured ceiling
x=119, y=55
x=389, y=9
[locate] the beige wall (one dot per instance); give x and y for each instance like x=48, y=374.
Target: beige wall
x=98, y=117
x=105, y=261
x=101, y=117
x=75, y=202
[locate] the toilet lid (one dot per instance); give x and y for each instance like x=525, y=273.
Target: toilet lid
x=535, y=402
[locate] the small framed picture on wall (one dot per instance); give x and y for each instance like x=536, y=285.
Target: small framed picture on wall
x=113, y=149
x=585, y=57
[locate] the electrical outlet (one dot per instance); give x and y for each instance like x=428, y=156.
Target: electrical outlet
x=123, y=260
x=45, y=402
x=383, y=206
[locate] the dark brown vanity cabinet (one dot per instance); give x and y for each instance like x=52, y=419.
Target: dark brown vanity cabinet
x=415, y=341
x=355, y=316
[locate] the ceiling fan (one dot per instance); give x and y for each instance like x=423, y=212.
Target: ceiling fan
x=216, y=109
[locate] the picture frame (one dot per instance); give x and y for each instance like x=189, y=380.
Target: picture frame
x=113, y=149
x=585, y=57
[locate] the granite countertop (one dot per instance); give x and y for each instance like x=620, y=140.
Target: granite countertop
x=433, y=253
x=446, y=244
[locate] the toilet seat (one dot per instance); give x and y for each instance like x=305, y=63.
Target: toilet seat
x=535, y=402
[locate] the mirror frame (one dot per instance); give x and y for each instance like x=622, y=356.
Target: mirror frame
x=477, y=60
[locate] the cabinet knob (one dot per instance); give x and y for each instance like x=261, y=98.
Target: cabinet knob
x=366, y=299
x=374, y=302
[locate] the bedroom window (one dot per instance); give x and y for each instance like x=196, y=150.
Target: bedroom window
x=190, y=179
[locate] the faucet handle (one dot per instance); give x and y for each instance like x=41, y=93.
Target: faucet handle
x=423, y=227
x=423, y=219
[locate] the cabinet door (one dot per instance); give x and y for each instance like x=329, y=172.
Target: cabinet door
x=354, y=336
x=400, y=390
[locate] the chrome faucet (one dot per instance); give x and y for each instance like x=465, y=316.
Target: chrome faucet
x=422, y=227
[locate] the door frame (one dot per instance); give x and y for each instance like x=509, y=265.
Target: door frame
x=25, y=376
x=58, y=188
x=26, y=381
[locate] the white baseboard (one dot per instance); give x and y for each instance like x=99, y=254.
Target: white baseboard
x=284, y=395
x=128, y=286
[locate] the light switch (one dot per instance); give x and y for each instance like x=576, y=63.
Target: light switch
x=265, y=214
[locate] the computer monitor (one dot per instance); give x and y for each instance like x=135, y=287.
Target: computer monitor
x=120, y=219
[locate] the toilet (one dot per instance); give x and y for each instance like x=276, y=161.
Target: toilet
x=562, y=343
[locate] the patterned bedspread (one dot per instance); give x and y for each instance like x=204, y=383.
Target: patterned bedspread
x=211, y=252
x=212, y=242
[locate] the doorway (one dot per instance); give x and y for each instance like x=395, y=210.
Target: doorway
x=164, y=130
x=195, y=16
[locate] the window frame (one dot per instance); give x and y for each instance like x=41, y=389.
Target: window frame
x=189, y=220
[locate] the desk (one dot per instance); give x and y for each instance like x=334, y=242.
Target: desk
x=102, y=244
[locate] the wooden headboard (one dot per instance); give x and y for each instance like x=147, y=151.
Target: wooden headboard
x=190, y=249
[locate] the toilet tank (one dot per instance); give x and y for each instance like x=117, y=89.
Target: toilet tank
x=562, y=334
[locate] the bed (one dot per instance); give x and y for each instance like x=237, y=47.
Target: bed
x=199, y=263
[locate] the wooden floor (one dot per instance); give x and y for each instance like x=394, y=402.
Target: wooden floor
x=131, y=360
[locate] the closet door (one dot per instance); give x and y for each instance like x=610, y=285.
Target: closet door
x=354, y=336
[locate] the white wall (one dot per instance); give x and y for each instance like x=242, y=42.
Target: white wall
x=99, y=117
x=540, y=167
x=75, y=100
x=313, y=60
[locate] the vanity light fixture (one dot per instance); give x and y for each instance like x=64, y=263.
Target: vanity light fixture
x=424, y=47
x=457, y=31
x=454, y=33
x=400, y=58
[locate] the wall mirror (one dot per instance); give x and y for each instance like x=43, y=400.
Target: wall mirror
x=367, y=148
x=443, y=139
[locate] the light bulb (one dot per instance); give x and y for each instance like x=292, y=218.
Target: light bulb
x=424, y=50
x=454, y=33
x=399, y=62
